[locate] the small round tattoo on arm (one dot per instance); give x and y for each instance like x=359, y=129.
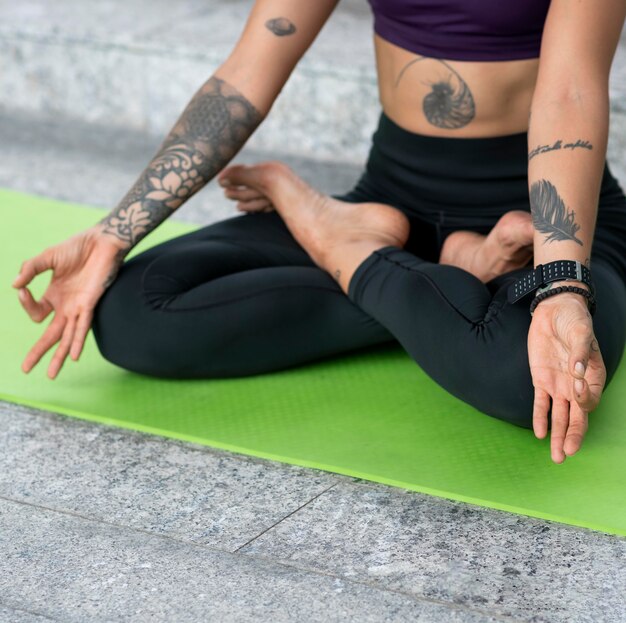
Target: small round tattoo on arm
x=280, y=26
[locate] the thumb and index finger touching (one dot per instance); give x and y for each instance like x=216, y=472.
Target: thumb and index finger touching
x=582, y=345
x=37, y=310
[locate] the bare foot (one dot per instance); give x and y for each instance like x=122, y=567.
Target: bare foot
x=337, y=235
x=509, y=245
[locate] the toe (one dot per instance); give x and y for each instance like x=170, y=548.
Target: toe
x=231, y=175
x=265, y=177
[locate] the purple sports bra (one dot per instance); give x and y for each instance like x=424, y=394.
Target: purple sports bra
x=463, y=30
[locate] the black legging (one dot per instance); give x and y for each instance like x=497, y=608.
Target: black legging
x=242, y=297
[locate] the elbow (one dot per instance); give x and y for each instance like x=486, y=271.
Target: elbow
x=572, y=88
x=572, y=96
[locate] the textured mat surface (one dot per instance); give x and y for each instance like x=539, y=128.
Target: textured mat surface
x=373, y=414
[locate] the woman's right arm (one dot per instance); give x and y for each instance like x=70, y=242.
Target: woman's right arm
x=213, y=127
x=220, y=117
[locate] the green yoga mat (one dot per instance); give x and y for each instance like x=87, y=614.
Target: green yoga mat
x=372, y=414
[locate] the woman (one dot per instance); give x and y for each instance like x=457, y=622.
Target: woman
x=489, y=159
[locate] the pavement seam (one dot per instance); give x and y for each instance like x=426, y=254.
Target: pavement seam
x=285, y=517
x=417, y=598
x=236, y=554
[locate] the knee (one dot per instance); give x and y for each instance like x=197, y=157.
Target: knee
x=516, y=395
x=516, y=405
x=109, y=323
x=134, y=330
x=121, y=323
x=507, y=394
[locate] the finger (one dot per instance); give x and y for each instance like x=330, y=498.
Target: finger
x=583, y=395
x=253, y=206
x=32, y=267
x=37, y=310
x=242, y=194
x=82, y=328
x=60, y=354
x=51, y=336
x=225, y=177
x=580, y=344
x=578, y=424
x=560, y=420
x=541, y=407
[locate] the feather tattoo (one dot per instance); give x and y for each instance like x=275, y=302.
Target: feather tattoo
x=550, y=215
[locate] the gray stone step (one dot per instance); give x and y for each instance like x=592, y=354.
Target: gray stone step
x=136, y=64
x=66, y=568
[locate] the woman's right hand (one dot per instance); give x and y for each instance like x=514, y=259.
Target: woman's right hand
x=83, y=266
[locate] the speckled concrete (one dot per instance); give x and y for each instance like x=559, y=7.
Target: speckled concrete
x=510, y=565
x=480, y=562
x=113, y=475
x=80, y=570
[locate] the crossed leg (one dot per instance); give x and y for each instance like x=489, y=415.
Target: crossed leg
x=259, y=293
x=243, y=296
x=234, y=298
x=452, y=317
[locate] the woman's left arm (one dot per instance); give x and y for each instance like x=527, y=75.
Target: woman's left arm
x=567, y=141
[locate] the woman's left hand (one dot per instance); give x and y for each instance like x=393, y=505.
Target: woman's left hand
x=560, y=338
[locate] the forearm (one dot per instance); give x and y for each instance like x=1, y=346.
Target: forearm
x=213, y=127
x=567, y=140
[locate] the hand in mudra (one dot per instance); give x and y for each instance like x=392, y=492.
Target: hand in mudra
x=83, y=266
x=560, y=336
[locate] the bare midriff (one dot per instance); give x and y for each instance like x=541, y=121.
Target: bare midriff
x=440, y=97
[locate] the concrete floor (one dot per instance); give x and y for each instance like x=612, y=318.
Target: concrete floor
x=104, y=524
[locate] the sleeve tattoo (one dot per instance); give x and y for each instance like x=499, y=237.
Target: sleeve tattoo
x=213, y=127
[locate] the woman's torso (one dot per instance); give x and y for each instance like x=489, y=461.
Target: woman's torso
x=432, y=88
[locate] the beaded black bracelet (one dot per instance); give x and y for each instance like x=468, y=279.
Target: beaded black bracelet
x=591, y=301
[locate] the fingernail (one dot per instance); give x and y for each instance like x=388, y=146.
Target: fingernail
x=21, y=293
x=14, y=280
x=580, y=368
x=579, y=386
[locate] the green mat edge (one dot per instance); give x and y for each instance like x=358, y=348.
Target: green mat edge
x=563, y=520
